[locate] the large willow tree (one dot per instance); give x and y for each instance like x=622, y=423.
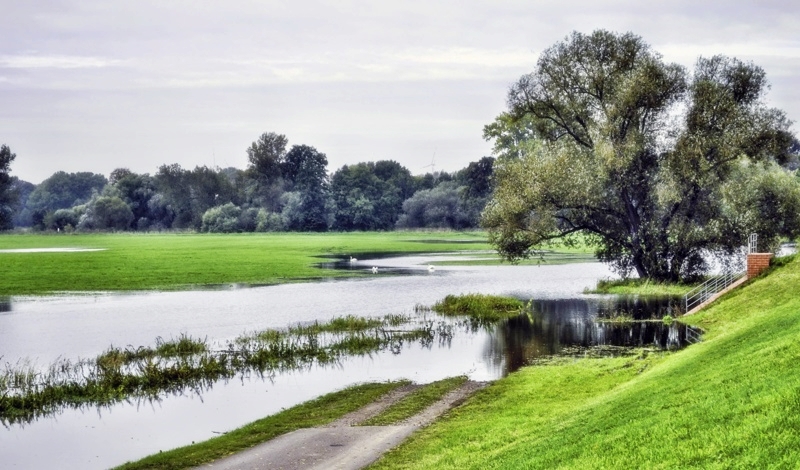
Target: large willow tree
x=658, y=167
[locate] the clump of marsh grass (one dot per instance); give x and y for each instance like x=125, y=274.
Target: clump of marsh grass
x=185, y=363
x=617, y=320
x=488, y=307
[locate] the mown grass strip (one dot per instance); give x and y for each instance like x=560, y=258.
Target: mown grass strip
x=731, y=401
x=317, y=412
x=415, y=402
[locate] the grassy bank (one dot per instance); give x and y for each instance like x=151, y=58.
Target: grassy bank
x=317, y=412
x=179, y=261
x=640, y=287
x=732, y=400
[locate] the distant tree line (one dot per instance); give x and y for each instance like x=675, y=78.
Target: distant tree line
x=282, y=189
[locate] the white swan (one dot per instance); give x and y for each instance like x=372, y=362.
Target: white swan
x=374, y=270
x=353, y=260
x=431, y=268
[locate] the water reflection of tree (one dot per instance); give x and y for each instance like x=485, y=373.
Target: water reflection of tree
x=569, y=326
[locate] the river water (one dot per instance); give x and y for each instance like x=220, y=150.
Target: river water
x=40, y=330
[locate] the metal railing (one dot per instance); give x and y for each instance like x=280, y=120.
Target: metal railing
x=693, y=335
x=752, y=245
x=706, y=290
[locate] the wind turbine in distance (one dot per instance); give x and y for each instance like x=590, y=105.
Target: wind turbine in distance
x=432, y=166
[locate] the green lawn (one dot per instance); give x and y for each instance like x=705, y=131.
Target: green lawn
x=731, y=401
x=180, y=261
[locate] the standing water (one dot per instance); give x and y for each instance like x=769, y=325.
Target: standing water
x=42, y=330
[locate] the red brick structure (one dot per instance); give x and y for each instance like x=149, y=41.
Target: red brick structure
x=756, y=263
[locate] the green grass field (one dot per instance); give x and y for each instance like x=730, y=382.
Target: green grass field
x=731, y=401
x=181, y=261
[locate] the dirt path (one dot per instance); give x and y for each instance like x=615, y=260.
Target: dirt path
x=343, y=444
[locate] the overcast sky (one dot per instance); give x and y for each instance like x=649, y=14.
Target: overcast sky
x=93, y=85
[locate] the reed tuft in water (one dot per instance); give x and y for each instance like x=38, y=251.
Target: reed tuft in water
x=177, y=365
x=488, y=307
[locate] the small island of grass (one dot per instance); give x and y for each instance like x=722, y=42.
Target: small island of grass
x=486, y=307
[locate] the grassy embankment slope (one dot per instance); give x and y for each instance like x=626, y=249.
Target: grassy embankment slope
x=179, y=261
x=732, y=401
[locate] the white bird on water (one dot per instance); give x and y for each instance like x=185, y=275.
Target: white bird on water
x=431, y=268
x=353, y=260
x=374, y=270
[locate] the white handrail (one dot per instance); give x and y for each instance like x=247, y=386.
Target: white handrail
x=706, y=290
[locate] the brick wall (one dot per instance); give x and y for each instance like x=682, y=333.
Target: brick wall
x=756, y=263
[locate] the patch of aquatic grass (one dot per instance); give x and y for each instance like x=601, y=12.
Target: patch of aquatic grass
x=415, y=402
x=318, y=412
x=182, y=346
x=731, y=401
x=637, y=286
x=490, y=307
x=617, y=320
x=146, y=373
x=349, y=323
x=396, y=319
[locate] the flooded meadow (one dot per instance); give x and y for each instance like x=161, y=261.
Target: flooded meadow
x=36, y=332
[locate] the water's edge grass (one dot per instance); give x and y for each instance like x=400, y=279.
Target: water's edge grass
x=637, y=286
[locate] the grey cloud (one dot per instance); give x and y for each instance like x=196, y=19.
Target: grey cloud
x=92, y=85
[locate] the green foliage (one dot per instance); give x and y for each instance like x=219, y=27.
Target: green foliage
x=63, y=191
x=318, y=412
x=480, y=306
x=137, y=191
x=369, y=196
x=8, y=198
x=185, y=195
x=269, y=221
x=22, y=190
x=222, y=219
x=728, y=401
x=590, y=145
x=110, y=213
x=62, y=219
x=440, y=207
x=265, y=157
